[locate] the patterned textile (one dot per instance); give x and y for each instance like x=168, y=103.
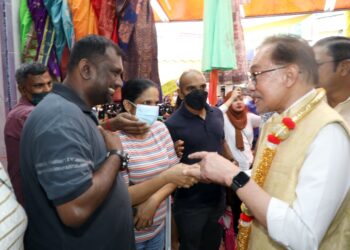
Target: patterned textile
x=45, y=35
x=106, y=15
x=62, y=23
x=139, y=41
x=240, y=74
x=29, y=42
x=84, y=18
x=126, y=24
x=13, y=219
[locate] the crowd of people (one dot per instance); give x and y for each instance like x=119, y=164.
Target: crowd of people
x=76, y=182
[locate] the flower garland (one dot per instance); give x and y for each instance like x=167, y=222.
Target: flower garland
x=273, y=140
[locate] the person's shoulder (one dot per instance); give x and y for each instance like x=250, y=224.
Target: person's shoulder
x=20, y=111
x=158, y=125
x=216, y=111
x=173, y=118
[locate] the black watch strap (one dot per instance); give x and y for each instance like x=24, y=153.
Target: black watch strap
x=124, y=157
x=239, y=181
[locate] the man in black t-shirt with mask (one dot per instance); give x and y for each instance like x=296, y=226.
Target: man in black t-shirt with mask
x=201, y=128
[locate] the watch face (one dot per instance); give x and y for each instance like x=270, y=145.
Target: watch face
x=239, y=180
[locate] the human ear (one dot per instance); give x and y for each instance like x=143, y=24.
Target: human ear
x=291, y=75
x=127, y=106
x=85, y=69
x=180, y=94
x=344, y=67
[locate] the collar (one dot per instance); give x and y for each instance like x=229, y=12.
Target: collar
x=341, y=103
x=70, y=95
x=25, y=101
x=187, y=113
x=301, y=99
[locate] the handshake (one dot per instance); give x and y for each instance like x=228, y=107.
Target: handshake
x=212, y=168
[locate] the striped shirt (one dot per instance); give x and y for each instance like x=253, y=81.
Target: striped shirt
x=13, y=220
x=148, y=158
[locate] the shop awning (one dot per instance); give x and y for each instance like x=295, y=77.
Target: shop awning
x=191, y=10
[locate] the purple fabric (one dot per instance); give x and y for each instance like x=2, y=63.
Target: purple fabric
x=12, y=133
x=39, y=15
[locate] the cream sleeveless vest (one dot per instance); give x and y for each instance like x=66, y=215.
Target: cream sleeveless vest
x=282, y=178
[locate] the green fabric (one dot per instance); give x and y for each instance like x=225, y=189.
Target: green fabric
x=25, y=22
x=218, y=48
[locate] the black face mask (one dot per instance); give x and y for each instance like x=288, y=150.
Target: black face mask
x=196, y=99
x=36, y=98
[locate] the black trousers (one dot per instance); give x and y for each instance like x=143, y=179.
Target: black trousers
x=198, y=228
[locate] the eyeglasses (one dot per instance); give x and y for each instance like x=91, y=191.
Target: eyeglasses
x=330, y=61
x=252, y=75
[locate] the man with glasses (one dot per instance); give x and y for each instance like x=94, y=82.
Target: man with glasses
x=297, y=197
x=333, y=58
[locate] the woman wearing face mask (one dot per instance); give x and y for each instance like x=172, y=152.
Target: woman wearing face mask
x=150, y=178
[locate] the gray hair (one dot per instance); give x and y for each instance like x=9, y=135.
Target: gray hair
x=33, y=68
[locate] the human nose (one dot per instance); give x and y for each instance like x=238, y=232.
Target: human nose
x=47, y=87
x=118, y=82
x=251, y=86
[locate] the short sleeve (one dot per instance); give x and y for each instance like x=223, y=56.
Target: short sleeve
x=170, y=147
x=63, y=160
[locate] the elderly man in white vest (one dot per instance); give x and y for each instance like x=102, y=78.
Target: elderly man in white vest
x=297, y=196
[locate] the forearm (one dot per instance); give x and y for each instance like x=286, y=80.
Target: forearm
x=142, y=191
x=75, y=213
x=109, y=124
x=164, y=192
x=254, y=197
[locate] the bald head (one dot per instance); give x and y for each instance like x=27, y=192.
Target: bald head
x=189, y=76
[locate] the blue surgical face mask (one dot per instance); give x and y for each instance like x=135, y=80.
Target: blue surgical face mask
x=146, y=113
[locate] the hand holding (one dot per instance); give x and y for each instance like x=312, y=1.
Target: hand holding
x=145, y=213
x=176, y=175
x=214, y=168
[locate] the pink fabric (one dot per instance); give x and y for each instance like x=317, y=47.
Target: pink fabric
x=227, y=222
x=12, y=133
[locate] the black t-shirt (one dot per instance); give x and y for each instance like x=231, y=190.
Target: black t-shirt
x=61, y=148
x=198, y=135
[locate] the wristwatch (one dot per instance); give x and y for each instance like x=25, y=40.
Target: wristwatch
x=239, y=181
x=124, y=157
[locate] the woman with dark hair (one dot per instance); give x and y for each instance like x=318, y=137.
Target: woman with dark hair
x=153, y=171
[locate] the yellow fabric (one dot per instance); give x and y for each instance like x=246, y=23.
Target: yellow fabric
x=84, y=18
x=282, y=178
x=343, y=109
x=347, y=24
